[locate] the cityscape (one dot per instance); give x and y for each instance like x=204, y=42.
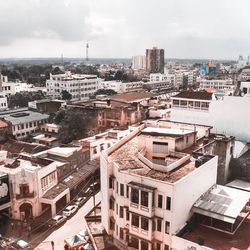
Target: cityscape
x=124, y=125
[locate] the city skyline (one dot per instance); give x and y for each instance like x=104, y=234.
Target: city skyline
x=193, y=29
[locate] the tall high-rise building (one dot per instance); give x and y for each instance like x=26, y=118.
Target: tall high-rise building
x=139, y=62
x=155, y=60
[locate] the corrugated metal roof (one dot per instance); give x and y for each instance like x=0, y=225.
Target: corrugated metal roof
x=222, y=203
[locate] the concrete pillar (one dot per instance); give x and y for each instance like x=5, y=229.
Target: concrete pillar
x=53, y=209
x=68, y=197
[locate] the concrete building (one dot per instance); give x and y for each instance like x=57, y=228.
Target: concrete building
x=5, y=201
x=79, y=86
x=121, y=87
x=245, y=88
x=3, y=103
x=24, y=122
x=44, y=180
x=217, y=84
x=101, y=142
x=139, y=62
x=143, y=179
x=201, y=108
x=155, y=60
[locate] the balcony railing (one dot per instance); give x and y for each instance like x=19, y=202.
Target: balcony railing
x=28, y=195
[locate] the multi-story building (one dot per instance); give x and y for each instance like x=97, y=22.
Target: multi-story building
x=24, y=121
x=139, y=62
x=245, y=88
x=217, y=84
x=121, y=87
x=3, y=103
x=43, y=180
x=155, y=60
x=79, y=86
x=143, y=180
x=100, y=142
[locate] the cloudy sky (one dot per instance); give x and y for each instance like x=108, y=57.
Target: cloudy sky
x=216, y=29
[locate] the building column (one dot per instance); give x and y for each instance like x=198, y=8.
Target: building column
x=53, y=209
x=68, y=197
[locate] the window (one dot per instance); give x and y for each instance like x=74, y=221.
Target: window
x=135, y=195
x=144, y=198
x=122, y=189
x=144, y=223
x=159, y=200
x=158, y=226
x=117, y=209
x=158, y=246
x=95, y=150
x=168, y=203
x=144, y=245
x=127, y=214
x=160, y=147
x=134, y=242
x=167, y=224
x=121, y=212
x=112, y=224
x=166, y=247
x=111, y=182
x=111, y=204
x=24, y=189
x=121, y=234
x=135, y=220
x=127, y=191
x=102, y=147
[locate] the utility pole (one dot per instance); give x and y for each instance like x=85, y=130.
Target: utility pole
x=87, y=51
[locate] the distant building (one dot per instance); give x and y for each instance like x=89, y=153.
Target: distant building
x=155, y=60
x=46, y=105
x=121, y=87
x=3, y=103
x=23, y=121
x=79, y=86
x=218, y=84
x=139, y=62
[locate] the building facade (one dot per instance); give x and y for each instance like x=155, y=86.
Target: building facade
x=139, y=62
x=79, y=86
x=155, y=60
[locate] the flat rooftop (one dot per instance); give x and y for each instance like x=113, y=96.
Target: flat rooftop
x=166, y=131
x=126, y=157
x=240, y=184
x=222, y=241
x=63, y=151
x=26, y=116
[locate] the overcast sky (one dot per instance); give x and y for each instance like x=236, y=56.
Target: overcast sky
x=216, y=29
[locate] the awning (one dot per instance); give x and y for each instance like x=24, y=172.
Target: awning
x=222, y=203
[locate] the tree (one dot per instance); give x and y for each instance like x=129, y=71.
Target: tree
x=74, y=124
x=21, y=99
x=105, y=92
x=66, y=95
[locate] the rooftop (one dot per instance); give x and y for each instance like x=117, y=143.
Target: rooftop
x=222, y=241
x=3, y=124
x=63, y=151
x=44, y=137
x=222, y=203
x=166, y=131
x=126, y=157
x=199, y=95
x=132, y=97
x=26, y=116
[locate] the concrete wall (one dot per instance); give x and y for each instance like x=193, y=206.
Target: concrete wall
x=189, y=189
x=229, y=116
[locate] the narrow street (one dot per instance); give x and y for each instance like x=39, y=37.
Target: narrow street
x=72, y=226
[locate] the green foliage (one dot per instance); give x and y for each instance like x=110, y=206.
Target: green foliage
x=65, y=95
x=21, y=99
x=74, y=124
x=105, y=92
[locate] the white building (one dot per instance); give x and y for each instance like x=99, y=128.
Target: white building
x=226, y=116
x=217, y=84
x=24, y=121
x=121, y=87
x=3, y=103
x=245, y=88
x=139, y=62
x=79, y=86
x=101, y=142
x=143, y=180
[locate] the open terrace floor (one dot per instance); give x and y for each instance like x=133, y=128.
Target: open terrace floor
x=222, y=241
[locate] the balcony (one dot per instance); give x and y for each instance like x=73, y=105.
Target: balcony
x=27, y=195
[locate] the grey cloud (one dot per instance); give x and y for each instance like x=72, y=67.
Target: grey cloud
x=55, y=19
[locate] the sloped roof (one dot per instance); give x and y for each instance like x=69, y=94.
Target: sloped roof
x=199, y=95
